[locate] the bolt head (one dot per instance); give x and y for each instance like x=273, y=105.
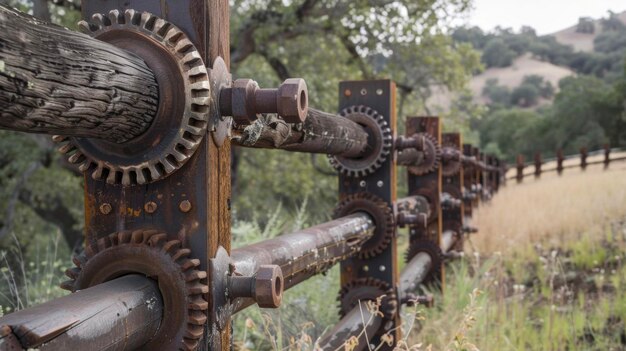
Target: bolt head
x=185, y=206
x=150, y=207
x=293, y=100
x=105, y=208
x=268, y=286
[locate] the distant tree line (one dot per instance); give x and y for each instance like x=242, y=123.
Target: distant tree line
x=587, y=111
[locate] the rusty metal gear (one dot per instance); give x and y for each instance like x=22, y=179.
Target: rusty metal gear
x=148, y=252
x=432, y=155
x=451, y=164
x=430, y=193
x=380, y=143
x=431, y=249
x=381, y=213
x=184, y=102
x=368, y=289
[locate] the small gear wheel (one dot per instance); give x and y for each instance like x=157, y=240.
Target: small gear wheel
x=368, y=289
x=431, y=249
x=182, y=116
x=451, y=164
x=148, y=252
x=432, y=155
x=381, y=213
x=380, y=143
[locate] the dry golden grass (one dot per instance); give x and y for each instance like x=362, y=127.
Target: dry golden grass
x=551, y=210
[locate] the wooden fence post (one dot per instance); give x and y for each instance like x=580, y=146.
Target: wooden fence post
x=583, y=158
x=520, y=168
x=538, y=162
x=559, y=161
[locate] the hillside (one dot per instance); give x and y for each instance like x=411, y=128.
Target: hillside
x=525, y=65
x=582, y=41
x=508, y=76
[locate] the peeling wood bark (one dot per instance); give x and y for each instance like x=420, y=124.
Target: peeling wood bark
x=320, y=133
x=55, y=81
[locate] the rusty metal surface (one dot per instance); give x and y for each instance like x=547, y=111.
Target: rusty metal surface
x=469, y=182
x=305, y=253
x=379, y=141
x=360, y=322
x=423, y=157
x=122, y=314
x=428, y=185
x=378, y=179
x=184, y=92
x=414, y=273
x=321, y=133
x=150, y=254
x=244, y=101
x=202, y=180
x=453, y=185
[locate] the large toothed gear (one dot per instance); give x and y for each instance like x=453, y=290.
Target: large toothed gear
x=451, y=164
x=184, y=102
x=431, y=249
x=148, y=252
x=382, y=215
x=368, y=289
x=380, y=143
x=432, y=156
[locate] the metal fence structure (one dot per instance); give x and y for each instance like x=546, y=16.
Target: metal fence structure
x=145, y=106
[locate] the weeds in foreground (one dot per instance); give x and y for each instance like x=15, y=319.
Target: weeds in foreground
x=29, y=282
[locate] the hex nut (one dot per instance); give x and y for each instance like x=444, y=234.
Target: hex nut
x=268, y=286
x=242, y=100
x=293, y=100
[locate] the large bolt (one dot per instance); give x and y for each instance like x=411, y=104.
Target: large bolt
x=416, y=141
x=245, y=100
x=403, y=219
x=265, y=287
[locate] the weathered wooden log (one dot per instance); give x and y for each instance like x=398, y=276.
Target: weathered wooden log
x=321, y=133
x=123, y=314
x=56, y=81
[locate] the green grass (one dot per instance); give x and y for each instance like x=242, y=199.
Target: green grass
x=564, y=298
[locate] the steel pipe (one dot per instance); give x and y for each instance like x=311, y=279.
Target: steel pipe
x=321, y=133
x=410, y=157
x=414, y=274
x=305, y=253
x=359, y=322
x=448, y=238
x=411, y=277
x=122, y=314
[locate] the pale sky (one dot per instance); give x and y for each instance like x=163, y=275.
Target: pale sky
x=546, y=16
